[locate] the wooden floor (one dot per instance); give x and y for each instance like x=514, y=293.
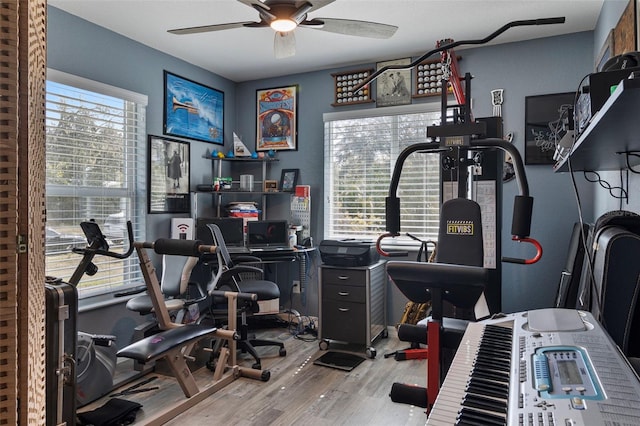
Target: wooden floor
x=300, y=392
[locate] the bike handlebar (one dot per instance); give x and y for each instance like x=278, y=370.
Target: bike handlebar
x=97, y=241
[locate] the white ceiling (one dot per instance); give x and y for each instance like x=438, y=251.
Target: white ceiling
x=244, y=54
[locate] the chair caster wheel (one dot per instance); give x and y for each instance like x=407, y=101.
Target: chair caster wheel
x=283, y=352
x=371, y=352
x=265, y=376
x=257, y=366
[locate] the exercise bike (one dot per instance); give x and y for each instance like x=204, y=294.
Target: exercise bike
x=96, y=357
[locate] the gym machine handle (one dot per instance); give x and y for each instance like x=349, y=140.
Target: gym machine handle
x=395, y=253
x=523, y=203
x=534, y=259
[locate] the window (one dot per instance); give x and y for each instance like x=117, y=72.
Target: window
x=95, y=166
x=361, y=148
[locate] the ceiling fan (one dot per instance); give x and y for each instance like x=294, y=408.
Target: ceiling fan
x=283, y=16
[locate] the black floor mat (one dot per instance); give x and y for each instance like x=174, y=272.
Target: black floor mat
x=339, y=360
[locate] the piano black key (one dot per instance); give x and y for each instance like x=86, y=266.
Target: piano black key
x=493, y=364
x=485, y=419
x=492, y=375
x=480, y=389
x=497, y=347
x=485, y=403
x=489, y=384
x=470, y=422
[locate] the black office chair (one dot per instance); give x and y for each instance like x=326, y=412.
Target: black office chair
x=233, y=277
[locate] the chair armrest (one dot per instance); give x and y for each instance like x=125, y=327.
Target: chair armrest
x=243, y=268
x=189, y=302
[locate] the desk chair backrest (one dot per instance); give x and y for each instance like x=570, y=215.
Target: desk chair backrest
x=226, y=265
x=218, y=240
x=176, y=273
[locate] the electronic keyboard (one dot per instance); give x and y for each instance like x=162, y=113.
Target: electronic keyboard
x=548, y=367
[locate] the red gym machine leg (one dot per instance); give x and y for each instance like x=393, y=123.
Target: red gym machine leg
x=433, y=364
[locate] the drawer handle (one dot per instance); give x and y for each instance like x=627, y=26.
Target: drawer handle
x=343, y=293
x=343, y=309
x=343, y=277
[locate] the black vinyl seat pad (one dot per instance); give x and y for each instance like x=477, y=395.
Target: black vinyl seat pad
x=153, y=347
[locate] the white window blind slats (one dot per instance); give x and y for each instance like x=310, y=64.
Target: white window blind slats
x=360, y=154
x=96, y=156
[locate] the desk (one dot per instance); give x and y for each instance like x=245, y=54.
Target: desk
x=300, y=255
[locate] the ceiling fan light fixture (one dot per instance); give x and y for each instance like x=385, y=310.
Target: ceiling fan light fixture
x=283, y=25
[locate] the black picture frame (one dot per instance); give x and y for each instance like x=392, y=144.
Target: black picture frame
x=543, y=125
x=168, y=175
x=289, y=180
x=192, y=110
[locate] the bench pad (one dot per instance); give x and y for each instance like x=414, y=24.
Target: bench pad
x=155, y=346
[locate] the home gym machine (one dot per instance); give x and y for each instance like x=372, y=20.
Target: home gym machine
x=459, y=140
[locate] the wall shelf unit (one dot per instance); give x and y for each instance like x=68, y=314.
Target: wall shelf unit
x=260, y=165
x=615, y=129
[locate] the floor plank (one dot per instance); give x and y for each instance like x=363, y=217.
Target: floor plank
x=299, y=391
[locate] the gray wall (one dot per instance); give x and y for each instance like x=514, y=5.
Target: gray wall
x=81, y=48
x=542, y=66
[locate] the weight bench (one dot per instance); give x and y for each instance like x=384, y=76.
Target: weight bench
x=169, y=344
x=176, y=341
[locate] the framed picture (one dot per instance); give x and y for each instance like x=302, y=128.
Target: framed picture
x=288, y=180
x=192, y=110
x=277, y=119
x=393, y=87
x=543, y=125
x=168, y=176
x=625, y=30
x=270, y=186
x=606, y=51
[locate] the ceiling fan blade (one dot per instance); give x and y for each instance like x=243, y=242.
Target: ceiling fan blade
x=284, y=44
x=255, y=3
x=352, y=27
x=208, y=28
x=317, y=4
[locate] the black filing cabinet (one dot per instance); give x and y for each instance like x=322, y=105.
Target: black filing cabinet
x=353, y=305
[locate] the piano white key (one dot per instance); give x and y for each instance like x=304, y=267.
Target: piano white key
x=449, y=400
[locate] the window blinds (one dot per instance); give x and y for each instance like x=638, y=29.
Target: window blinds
x=360, y=154
x=95, y=161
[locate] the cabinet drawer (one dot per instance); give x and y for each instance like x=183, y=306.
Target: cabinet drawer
x=344, y=293
x=344, y=321
x=344, y=276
